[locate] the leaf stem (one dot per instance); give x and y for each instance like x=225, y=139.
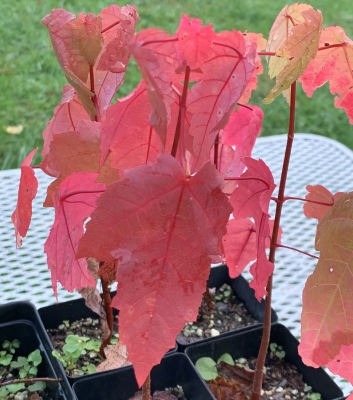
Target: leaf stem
x=108, y=311
x=94, y=97
x=295, y=249
x=146, y=388
x=179, y=130
x=265, y=340
x=249, y=178
x=303, y=199
x=330, y=46
x=30, y=380
x=110, y=26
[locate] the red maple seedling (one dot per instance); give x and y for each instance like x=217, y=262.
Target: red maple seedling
x=158, y=174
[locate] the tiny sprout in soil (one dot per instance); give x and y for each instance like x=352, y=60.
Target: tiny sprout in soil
x=14, y=368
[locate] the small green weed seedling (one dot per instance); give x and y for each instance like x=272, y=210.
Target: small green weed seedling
x=74, y=347
x=26, y=368
x=208, y=367
x=277, y=351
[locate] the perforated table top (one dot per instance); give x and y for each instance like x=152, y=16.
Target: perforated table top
x=315, y=160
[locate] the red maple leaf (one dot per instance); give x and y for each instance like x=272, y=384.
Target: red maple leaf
x=72, y=152
x=65, y=119
x=165, y=229
x=242, y=130
x=118, y=28
x=251, y=200
x=333, y=65
x=327, y=297
x=320, y=194
x=27, y=191
x=260, y=42
x=155, y=53
x=195, y=42
x=212, y=99
x=77, y=196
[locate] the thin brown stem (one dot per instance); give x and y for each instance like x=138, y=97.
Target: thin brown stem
x=29, y=380
x=109, y=313
x=295, y=249
x=216, y=150
x=94, y=97
x=179, y=130
x=265, y=340
x=110, y=26
x=146, y=389
x=286, y=198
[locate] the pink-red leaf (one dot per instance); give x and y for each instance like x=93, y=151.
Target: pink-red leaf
x=72, y=152
x=260, y=42
x=251, y=200
x=118, y=27
x=212, y=100
x=165, y=229
x=76, y=42
x=333, y=65
x=242, y=130
x=77, y=196
x=319, y=194
x=239, y=245
x=66, y=116
x=27, y=191
x=155, y=54
x=327, y=297
x=195, y=42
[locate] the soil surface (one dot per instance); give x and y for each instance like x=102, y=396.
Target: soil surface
x=221, y=311
x=282, y=381
x=87, y=327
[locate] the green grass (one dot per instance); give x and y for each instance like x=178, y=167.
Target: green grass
x=31, y=80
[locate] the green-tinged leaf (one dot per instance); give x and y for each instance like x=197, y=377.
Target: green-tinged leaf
x=35, y=357
x=227, y=358
x=39, y=385
x=21, y=361
x=207, y=368
x=14, y=388
x=5, y=360
x=91, y=369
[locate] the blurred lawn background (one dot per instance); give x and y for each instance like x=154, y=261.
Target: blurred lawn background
x=31, y=80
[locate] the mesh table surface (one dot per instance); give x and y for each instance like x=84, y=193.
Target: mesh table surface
x=315, y=160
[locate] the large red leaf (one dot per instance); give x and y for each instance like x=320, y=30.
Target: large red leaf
x=333, y=65
x=72, y=152
x=260, y=42
x=65, y=119
x=118, y=27
x=77, y=196
x=165, y=229
x=319, y=194
x=327, y=297
x=342, y=365
x=212, y=100
x=155, y=53
x=240, y=244
x=76, y=42
x=243, y=128
x=251, y=200
x=27, y=191
x=195, y=42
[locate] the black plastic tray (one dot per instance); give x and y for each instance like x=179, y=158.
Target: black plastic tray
x=175, y=369
x=54, y=315
x=218, y=276
x=246, y=344
x=20, y=320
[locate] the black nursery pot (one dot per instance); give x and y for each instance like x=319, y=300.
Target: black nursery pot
x=175, y=369
x=20, y=320
x=247, y=343
x=73, y=310
x=219, y=276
